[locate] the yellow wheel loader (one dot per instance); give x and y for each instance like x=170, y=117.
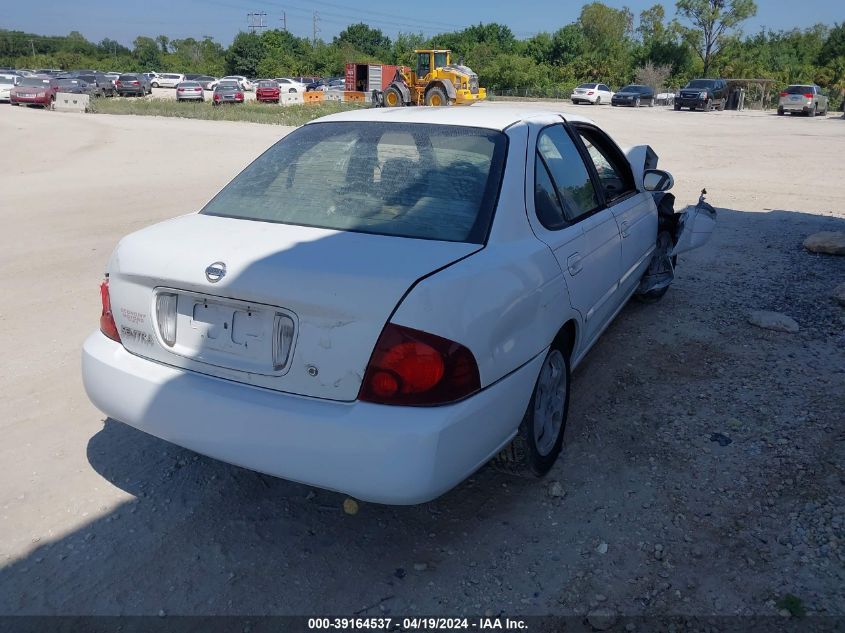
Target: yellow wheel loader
x=436, y=81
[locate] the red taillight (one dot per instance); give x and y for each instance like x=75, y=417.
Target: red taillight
x=135, y=83
x=808, y=95
x=107, y=324
x=784, y=94
x=117, y=84
x=239, y=95
x=410, y=367
x=590, y=92
x=197, y=89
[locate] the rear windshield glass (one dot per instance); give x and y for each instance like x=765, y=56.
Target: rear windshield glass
x=587, y=86
x=128, y=78
x=267, y=84
x=426, y=181
x=798, y=90
x=34, y=81
x=633, y=88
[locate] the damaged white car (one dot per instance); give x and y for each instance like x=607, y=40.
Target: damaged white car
x=385, y=300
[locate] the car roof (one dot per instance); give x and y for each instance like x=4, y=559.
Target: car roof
x=494, y=118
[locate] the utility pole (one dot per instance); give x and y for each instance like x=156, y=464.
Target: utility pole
x=316, y=29
x=284, y=21
x=32, y=44
x=255, y=20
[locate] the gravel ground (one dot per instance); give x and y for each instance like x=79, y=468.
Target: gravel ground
x=703, y=468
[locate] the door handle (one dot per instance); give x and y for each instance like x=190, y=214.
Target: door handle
x=573, y=263
x=623, y=228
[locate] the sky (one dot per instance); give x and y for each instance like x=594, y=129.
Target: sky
x=123, y=20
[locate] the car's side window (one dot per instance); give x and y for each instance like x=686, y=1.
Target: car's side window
x=612, y=167
x=568, y=172
x=546, y=203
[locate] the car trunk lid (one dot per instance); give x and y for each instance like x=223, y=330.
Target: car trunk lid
x=234, y=282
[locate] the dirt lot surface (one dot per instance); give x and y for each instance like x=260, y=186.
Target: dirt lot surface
x=703, y=472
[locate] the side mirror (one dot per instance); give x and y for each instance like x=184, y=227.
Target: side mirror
x=657, y=180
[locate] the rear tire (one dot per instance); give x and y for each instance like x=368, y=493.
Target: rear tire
x=780, y=111
x=637, y=102
x=651, y=102
x=811, y=113
x=154, y=85
x=598, y=101
x=539, y=439
x=677, y=108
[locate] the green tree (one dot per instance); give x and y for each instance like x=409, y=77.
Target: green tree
x=714, y=21
x=244, y=55
x=834, y=45
x=366, y=39
x=146, y=52
x=404, y=46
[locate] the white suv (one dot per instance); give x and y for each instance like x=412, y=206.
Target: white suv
x=166, y=80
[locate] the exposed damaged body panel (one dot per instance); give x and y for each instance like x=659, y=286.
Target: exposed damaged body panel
x=678, y=233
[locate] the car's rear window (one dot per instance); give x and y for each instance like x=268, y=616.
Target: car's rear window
x=34, y=81
x=267, y=84
x=587, y=86
x=128, y=78
x=798, y=90
x=425, y=181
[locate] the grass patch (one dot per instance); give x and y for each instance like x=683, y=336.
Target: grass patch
x=250, y=111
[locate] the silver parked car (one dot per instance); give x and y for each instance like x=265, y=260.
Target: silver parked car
x=806, y=99
x=190, y=91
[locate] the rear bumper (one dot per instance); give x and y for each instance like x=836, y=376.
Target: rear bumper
x=198, y=96
x=588, y=98
x=384, y=454
x=801, y=106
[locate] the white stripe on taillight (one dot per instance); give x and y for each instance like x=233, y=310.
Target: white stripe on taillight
x=282, y=340
x=166, y=317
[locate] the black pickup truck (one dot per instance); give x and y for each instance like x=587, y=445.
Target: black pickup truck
x=705, y=94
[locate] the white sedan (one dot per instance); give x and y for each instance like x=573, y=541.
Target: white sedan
x=595, y=94
x=7, y=82
x=386, y=300
x=290, y=85
x=243, y=82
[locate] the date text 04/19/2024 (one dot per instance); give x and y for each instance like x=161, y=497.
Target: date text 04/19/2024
x=417, y=624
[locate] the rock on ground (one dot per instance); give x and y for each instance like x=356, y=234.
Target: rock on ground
x=839, y=293
x=601, y=619
x=773, y=321
x=828, y=242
